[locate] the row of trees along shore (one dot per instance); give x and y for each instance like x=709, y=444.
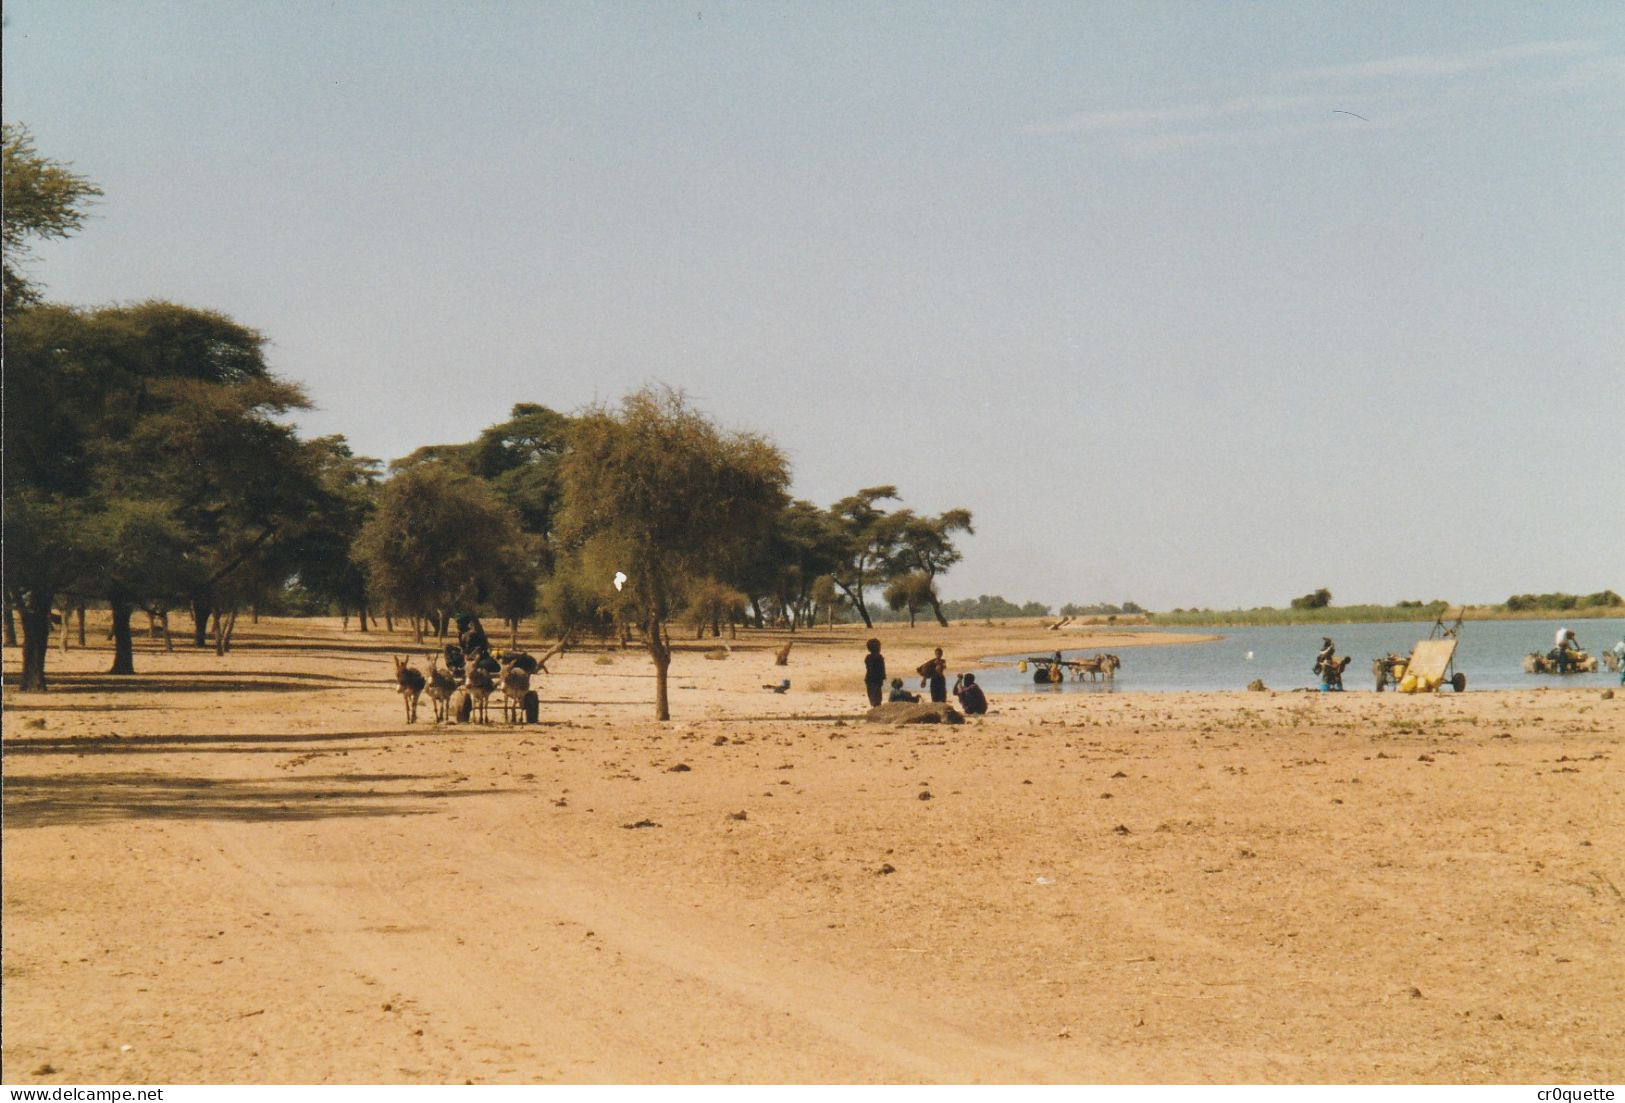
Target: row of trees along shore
x=150, y=466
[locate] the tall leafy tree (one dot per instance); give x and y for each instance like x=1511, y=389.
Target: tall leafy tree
x=440, y=540
x=865, y=543
x=43, y=199
x=325, y=551
x=145, y=458
x=921, y=548
x=194, y=417
x=657, y=487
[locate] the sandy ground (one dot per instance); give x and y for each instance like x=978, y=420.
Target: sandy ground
x=249, y=869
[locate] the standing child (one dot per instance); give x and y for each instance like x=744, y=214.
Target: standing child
x=874, y=672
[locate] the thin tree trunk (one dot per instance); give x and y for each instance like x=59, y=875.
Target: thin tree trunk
x=64, y=619
x=857, y=603
x=231, y=628
x=513, y=634
x=936, y=607
x=362, y=615
x=11, y=625
x=253, y=614
x=169, y=642
x=36, y=618
x=417, y=629
x=123, y=640
x=219, y=638
x=389, y=620
x=200, y=623
x=660, y=651
x=80, y=613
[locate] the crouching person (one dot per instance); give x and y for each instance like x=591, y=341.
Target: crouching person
x=971, y=697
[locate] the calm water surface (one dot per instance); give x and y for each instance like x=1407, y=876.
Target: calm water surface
x=1490, y=653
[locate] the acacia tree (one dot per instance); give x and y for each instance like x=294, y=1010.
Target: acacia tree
x=924, y=547
x=912, y=592
x=864, y=542
x=440, y=539
x=136, y=542
x=43, y=199
x=45, y=474
x=325, y=551
x=658, y=488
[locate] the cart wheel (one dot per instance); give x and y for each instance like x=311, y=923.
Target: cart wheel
x=1459, y=681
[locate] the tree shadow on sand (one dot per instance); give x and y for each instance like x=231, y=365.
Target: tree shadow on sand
x=192, y=682
x=88, y=799
x=233, y=743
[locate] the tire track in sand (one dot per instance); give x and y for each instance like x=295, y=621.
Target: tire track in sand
x=530, y=967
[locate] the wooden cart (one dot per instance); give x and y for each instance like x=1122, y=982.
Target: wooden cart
x=1431, y=663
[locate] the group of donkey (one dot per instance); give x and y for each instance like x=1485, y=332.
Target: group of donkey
x=462, y=691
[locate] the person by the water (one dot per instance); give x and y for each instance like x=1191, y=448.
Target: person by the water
x=971, y=697
x=898, y=693
x=934, y=675
x=1327, y=652
x=1566, y=650
x=874, y=672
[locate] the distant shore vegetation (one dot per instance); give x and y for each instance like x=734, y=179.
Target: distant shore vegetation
x=1317, y=608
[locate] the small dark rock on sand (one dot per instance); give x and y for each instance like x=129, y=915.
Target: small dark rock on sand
x=885, y=869
x=640, y=823
x=680, y=768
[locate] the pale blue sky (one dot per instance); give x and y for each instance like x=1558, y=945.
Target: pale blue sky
x=1189, y=303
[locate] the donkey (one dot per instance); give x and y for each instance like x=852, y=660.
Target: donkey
x=479, y=686
x=409, y=683
x=440, y=688
x=515, y=682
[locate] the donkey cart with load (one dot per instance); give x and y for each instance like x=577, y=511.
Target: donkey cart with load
x=1429, y=665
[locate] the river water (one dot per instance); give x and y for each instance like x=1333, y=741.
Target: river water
x=1490, y=653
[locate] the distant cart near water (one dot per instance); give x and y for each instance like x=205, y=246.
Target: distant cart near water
x=1052, y=669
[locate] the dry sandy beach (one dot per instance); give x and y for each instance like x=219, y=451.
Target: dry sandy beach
x=249, y=869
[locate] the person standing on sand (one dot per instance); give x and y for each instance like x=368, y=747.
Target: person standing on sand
x=934, y=673
x=874, y=672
